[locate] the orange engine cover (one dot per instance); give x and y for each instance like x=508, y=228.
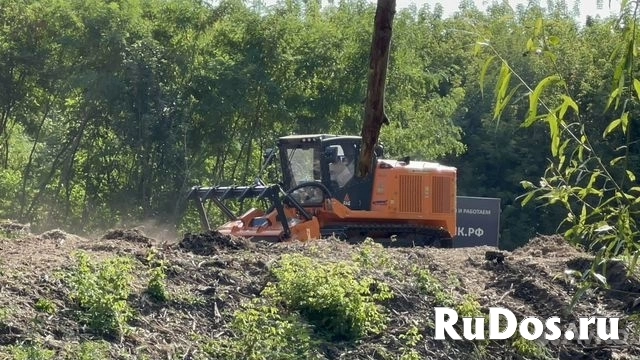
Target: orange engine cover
x=418, y=193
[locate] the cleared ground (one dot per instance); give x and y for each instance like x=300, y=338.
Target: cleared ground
x=209, y=277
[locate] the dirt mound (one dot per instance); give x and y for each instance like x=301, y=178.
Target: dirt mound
x=130, y=235
x=55, y=234
x=11, y=227
x=213, y=242
x=547, y=245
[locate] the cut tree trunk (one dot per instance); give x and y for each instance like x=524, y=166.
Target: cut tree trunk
x=374, y=114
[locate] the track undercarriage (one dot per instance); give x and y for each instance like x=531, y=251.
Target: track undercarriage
x=389, y=235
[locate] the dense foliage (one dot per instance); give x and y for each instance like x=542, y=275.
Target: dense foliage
x=591, y=174
x=111, y=110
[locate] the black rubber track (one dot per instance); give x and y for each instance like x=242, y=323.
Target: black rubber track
x=390, y=235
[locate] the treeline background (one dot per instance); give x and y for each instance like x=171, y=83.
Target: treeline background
x=111, y=110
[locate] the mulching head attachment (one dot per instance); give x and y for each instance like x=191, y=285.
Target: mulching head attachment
x=218, y=195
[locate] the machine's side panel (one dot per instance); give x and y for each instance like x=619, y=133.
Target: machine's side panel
x=418, y=196
x=385, y=189
x=411, y=192
x=414, y=194
x=441, y=199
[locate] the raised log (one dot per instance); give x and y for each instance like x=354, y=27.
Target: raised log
x=374, y=114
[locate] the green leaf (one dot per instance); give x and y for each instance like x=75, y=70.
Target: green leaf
x=527, y=184
x=600, y=278
x=624, y=121
x=577, y=296
x=636, y=86
x=616, y=160
x=538, y=28
x=634, y=261
x=531, y=120
x=554, y=133
x=562, y=157
x=589, y=188
x=483, y=72
x=534, y=98
x=555, y=144
x=604, y=227
x=554, y=40
x=568, y=102
x=528, y=198
x=631, y=175
x=615, y=94
x=581, y=148
x=612, y=126
x=501, y=89
x=530, y=45
x=505, y=102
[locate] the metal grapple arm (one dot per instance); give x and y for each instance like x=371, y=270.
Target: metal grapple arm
x=218, y=194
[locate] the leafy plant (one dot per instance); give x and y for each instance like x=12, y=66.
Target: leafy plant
x=157, y=286
x=46, y=306
x=528, y=348
x=598, y=193
x=372, y=255
x=101, y=290
x=263, y=333
x=308, y=297
x=88, y=350
x=329, y=296
x=430, y=285
x=31, y=352
x=410, y=339
x=469, y=307
x=5, y=314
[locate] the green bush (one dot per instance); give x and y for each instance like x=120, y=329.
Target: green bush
x=157, y=287
x=410, y=340
x=88, y=350
x=31, y=352
x=430, y=285
x=264, y=333
x=307, y=295
x=329, y=296
x=101, y=290
x=529, y=349
x=469, y=307
x=372, y=255
x=46, y=306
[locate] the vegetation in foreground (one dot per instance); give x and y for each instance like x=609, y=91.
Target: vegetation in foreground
x=132, y=297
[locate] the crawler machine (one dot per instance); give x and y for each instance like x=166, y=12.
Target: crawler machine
x=400, y=203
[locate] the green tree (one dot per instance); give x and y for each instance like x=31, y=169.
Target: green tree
x=590, y=175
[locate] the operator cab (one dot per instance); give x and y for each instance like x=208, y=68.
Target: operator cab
x=326, y=165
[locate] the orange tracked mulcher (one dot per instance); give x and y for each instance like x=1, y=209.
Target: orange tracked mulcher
x=400, y=203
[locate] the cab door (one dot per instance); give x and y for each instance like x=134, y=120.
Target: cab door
x=355, y=193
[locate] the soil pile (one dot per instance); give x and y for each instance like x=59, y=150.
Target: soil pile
x=11, y=227
x=213, y=242
x=131, y=235
x=208, y=277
